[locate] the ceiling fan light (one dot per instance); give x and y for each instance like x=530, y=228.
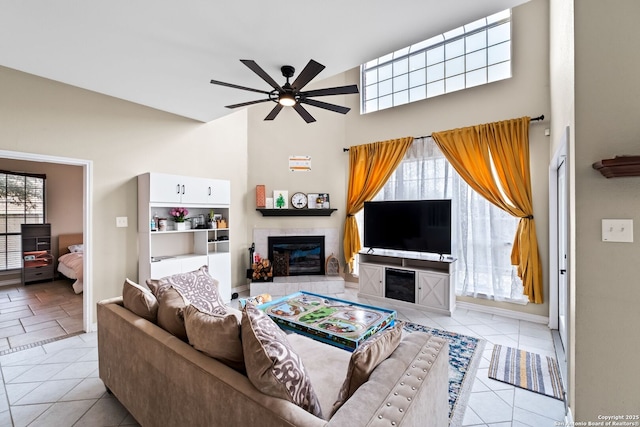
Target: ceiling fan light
x=287, y=100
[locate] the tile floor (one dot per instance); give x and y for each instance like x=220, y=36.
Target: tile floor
x=57, y=384
x=38, y=312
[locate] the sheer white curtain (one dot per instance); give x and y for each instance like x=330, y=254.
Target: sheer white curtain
x=482, y=234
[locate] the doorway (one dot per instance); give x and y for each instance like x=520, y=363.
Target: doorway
x=87, y=173
x=559, y=254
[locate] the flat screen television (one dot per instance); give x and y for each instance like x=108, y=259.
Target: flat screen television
x=408, y=225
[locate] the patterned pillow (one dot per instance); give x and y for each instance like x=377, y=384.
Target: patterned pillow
x=273, y=367
x=175, y=292
x=216, y=335
x=365, y=358
x=139, y=300
x=199, y=289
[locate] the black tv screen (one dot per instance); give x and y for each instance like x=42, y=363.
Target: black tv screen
x=408, y=225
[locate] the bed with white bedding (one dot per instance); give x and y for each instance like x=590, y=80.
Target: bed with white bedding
x=70, y=258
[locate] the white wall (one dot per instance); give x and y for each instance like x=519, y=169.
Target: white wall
x=562, y=70
x=123, y=140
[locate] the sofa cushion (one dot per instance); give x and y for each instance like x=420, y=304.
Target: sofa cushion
x=273, y=367
x=139, y=300
x=216, y=335
x=326, y=364
x=175, y=292
x=365, y=358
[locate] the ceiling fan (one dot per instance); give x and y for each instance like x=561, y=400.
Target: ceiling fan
x=291, y=94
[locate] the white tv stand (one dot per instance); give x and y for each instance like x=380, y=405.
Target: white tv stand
x=414, y=279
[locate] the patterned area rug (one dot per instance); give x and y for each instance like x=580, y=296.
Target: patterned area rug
x=465, y=353
x=523, y=369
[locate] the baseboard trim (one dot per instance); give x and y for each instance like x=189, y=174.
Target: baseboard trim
x=240, y=289
x=10, y=282
x=568, y=418
x=535, y=318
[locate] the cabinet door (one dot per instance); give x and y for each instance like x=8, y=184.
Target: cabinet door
x=433, y=290
x=194, y=190
x=220, y=269
x=164, y=268
x=218, y=192
x=164, y=188
x=370, y=280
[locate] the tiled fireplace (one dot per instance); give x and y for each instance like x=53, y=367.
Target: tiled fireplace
x=306, y=276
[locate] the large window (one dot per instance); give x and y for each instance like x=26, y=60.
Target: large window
x=482, y=233
x=21, y=202
x=471, y=55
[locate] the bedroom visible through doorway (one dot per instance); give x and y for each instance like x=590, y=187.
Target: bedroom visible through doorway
x=69, y=211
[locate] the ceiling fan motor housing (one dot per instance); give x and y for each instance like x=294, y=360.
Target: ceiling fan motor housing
x=287, y=71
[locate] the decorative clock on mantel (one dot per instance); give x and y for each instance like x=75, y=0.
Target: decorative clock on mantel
x=299, y=200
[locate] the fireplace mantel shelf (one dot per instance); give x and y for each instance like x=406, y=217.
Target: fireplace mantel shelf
x=296, y=212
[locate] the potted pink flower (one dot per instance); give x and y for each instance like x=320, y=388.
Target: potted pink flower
x=179, y=215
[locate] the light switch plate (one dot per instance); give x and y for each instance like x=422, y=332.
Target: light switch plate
x=121, y=221
x=617, y=230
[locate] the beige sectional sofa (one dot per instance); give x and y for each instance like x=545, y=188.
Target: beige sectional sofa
x=163, y=381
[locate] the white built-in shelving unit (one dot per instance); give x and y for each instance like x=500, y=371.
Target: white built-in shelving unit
x=164, y=253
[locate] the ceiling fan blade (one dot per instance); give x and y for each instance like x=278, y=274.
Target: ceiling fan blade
x=253, y=66
x=340, y=90
x=216, y=82
x=244, y=104
x=272, y=115
x=304, y=113
x=311, y=70
x=326, y=106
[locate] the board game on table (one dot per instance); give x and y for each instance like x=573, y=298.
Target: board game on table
x=341, y=323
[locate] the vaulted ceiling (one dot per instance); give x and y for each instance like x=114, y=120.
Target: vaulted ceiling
x=162, y=53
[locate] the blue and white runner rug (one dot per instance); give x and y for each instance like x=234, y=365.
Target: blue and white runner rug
x=465, y=353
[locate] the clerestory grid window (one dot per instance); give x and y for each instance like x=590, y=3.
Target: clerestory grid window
x=471, y=55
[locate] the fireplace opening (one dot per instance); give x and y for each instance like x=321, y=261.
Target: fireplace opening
x=400, y=284
x=297, y=255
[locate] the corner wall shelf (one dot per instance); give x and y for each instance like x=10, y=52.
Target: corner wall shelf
x=296, y=212
x=619, y=166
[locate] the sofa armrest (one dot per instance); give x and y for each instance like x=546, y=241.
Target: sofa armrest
x=115, y=300
x=410, y=388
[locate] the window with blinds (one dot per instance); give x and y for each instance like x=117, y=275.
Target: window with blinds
x=22, y=201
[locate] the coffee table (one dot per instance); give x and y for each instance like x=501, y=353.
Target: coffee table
x=341, y=323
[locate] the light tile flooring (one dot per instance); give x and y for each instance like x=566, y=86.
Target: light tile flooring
x=57, y=384
x=38, y=312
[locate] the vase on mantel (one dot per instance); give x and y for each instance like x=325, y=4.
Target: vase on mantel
x=181, y=226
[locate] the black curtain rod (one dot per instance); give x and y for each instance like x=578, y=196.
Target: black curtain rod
x=533, y=119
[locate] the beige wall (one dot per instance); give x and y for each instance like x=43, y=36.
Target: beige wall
x=526, y=94
x=607, y=291
x=122, y=140
x=272, y=142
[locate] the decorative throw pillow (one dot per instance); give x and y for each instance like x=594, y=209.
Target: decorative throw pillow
x=170, y=308
x=273, y=367
x=175, y=292
x=365, y=358
x=139, y=301
x=216, y=335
